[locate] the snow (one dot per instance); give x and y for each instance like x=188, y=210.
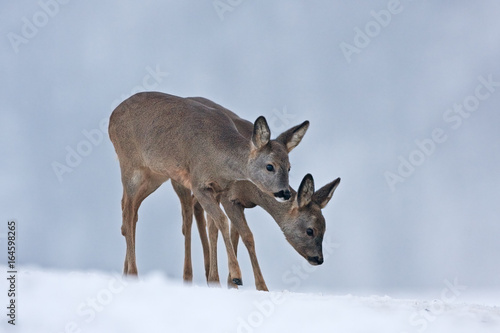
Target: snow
x=371, y=114
x=62, y=301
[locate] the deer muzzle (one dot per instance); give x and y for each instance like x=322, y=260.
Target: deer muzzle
x=283, y=195
x=315, y=260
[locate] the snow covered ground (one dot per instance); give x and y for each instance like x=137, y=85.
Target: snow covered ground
x=59, y=301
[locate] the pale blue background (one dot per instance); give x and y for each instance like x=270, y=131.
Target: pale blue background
x=263, y=58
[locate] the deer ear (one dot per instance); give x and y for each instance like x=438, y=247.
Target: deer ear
x=292, y=137
x=261, y=133
x=324, y=194
x=306, y=191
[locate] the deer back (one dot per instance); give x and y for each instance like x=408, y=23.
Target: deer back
x=194, y=144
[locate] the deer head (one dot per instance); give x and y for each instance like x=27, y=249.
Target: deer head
x=268, y=165
x=304, y=224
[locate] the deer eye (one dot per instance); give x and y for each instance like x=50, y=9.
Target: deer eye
x=310, y=232
x=269, y=167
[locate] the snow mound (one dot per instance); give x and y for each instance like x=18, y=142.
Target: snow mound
x=56, y=302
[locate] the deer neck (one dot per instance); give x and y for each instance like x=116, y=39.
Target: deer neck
x=238, y=160
x=275, y=208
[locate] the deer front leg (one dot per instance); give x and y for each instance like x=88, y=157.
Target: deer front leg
x=235, y=213
x=235, y=237
x=186, y=200
x=213, y=272
x=209, y=203
x=199, y=215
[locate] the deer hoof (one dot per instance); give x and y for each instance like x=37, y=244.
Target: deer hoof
x=237, y=282
x=262, y=288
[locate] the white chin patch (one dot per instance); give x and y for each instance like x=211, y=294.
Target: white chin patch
x=279, y=199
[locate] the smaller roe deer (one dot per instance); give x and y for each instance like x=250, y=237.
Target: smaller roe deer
x=300, y=219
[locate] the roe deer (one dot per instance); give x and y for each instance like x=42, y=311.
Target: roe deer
x=300, y=219
x=159, y=137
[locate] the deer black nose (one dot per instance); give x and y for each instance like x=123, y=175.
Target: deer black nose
x=286, y=195
x=315, y=260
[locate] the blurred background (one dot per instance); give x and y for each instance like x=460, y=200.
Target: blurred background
x=403, y=99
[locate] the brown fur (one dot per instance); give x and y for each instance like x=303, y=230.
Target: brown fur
x=293, y=217
x=159, y=137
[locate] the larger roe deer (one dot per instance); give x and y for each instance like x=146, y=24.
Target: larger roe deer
x=159, y=137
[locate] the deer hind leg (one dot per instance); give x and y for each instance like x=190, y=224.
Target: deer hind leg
x=129, y=267
x=211, y=206
x=238, y=222
x=135, y=189
x=199, y=214
x=186, y=199
x=124, y=232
